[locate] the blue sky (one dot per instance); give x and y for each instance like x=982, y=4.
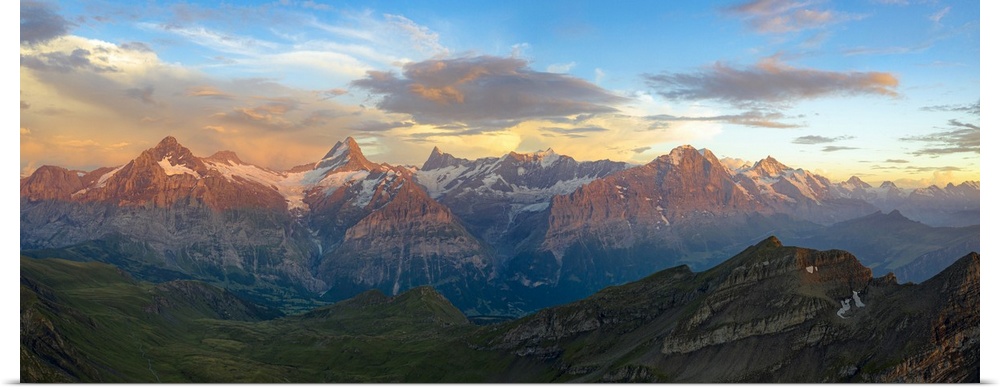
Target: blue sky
x=882, y=89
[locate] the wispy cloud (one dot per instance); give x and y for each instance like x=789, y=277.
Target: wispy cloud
x=216, y=40
x=784, y=16
x=377, y=126
x=818, y=139
x=560, y=68
x=208, y=92
x=897, y=161
x=967, y=108
x=937, y=16
x=750, y=118
x=484, y=89
x=964, y=138
x=837, y=148
x=574, y=132
x=769, y=82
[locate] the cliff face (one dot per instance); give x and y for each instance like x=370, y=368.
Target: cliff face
x=644, y=202
x=168, y=214
x=770, y=314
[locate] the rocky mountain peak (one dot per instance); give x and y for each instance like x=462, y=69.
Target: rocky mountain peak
x=545, y=157
x=679, y=154
x=346, y=155
x=172, y=157
x=439, y=159
x=857, y=182
x=226, y=157
x=769, y=167
x=887, y=185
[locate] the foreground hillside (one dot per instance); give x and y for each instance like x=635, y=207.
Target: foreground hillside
x=770, y=314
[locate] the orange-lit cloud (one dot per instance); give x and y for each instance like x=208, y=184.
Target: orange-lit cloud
x=483, y=92
x=770, y=81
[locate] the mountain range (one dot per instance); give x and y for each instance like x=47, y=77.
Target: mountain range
x=498, y=236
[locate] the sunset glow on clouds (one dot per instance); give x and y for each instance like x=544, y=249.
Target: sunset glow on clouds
x=882, y=90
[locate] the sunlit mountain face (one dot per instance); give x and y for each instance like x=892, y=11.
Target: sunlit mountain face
x=301, y=191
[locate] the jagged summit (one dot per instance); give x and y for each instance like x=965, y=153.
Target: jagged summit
x=857, y=182
x=770, y=242
x=770, y=167
x=346, y=155
x=225, y=157
x=440, y=159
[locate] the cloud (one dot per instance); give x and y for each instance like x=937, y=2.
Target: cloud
x=208, y=92
x=932, y=169
x=937, y=16
x=217, y=129
x=421, y=37
x=888, y=50
x=78, y=144
x=575, y=132
x=78, y=59
x=641, y=149
x=332, y=93
x=769, y=82
x=136, y=46
x=963, y=139
x=316, y=6
x=376, y=126
x=749, y=118
x=897, y=161
x=483, y=90
x=25, y=131
x=818, y=139
x=40, y=23
x=223, y=42
x=144, y=94
x=837, y=148
x=560, y=68
x=785, y=16
x=25, y=105
x=969, y=108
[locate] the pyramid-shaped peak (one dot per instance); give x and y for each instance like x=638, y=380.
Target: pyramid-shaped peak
x=170, y=149
x=887, y=184
x=168, y=142
x=440, y=159
x=346, y=155
x=857, y=182
x=770, y=166
x=347, y=146
x=226, y=157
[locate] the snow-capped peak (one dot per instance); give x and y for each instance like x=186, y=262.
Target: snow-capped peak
x=770, y=167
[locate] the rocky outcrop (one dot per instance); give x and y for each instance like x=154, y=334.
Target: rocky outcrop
x=49, y=182
x=769, y=314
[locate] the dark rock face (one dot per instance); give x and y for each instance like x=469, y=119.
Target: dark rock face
x=770, y=314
